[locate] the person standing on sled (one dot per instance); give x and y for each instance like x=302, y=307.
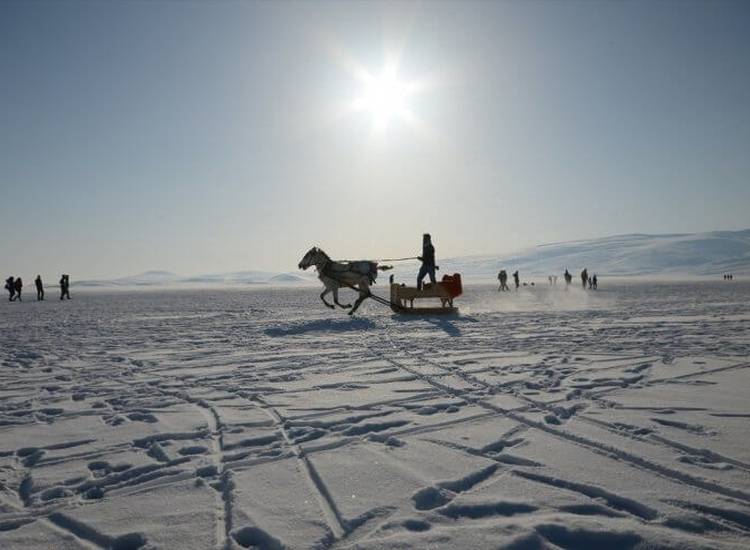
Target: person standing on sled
x=428, y=261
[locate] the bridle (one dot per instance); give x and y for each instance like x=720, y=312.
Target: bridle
x=315, y=257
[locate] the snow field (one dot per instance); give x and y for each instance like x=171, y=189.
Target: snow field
x=541, y=418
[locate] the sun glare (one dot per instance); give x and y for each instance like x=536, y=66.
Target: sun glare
x=384, y=96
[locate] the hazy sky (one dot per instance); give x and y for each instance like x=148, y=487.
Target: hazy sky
x=216, y=136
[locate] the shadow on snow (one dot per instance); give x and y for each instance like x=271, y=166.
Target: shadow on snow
x=321, y=325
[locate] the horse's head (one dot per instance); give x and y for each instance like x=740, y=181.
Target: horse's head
x=314, y=256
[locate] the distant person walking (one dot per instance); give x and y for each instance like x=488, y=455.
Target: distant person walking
x=503, y=278
x=516, y=280
x=428, y=261
x=39, y=288
x=11, y=288
x=594, y=281
x=568, y=278
x=65, y=287
x=18, y=285
x=584, y=278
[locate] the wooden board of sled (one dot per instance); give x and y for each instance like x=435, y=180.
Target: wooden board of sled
x=403, y=297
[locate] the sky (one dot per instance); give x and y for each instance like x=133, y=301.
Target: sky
x=206, y=137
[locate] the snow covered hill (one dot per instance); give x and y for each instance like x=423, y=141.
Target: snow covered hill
x=694, y=254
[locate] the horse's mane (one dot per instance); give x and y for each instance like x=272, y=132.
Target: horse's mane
x=320, y=250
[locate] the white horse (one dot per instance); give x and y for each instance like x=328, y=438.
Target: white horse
x=355, y=275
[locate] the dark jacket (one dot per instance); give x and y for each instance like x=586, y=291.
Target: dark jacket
x=428, y=255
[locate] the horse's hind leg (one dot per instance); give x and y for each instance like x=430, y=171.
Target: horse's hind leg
x=363, y=293
x=356, y=304
x=336, y=300
x=322, y=297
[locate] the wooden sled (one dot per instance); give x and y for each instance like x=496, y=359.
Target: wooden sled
x=403, y=297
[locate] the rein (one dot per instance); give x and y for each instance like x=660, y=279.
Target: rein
x=385, y=259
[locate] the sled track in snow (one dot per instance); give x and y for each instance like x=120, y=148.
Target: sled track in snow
x=622, y=455
x=325, y=500
x=224, y=497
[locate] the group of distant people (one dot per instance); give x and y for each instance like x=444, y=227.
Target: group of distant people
x=591, y=282
x=14, y=286
x=728, y=277
x=503, y=278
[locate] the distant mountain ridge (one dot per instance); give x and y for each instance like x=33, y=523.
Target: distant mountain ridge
x=169, y=279
x=692, y=254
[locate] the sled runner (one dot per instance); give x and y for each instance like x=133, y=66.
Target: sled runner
x=403, y=297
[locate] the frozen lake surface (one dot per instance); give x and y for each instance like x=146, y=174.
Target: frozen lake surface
x=542, y=418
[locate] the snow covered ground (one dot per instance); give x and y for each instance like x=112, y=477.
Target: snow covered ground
x=542, y=418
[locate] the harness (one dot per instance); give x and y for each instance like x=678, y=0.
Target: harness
x=328, y=272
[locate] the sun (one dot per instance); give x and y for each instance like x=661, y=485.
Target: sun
x=384, y=97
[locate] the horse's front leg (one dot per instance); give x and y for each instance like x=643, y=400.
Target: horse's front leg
x=322, y=297
x=336, y=300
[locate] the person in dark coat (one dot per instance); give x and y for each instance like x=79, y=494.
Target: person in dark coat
x=516, y=279
x=39, y=288
x=18, y=285
x=503, y=278
x=584, y=278
x=65, y=287
x=10, y=286
x=428, y=261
